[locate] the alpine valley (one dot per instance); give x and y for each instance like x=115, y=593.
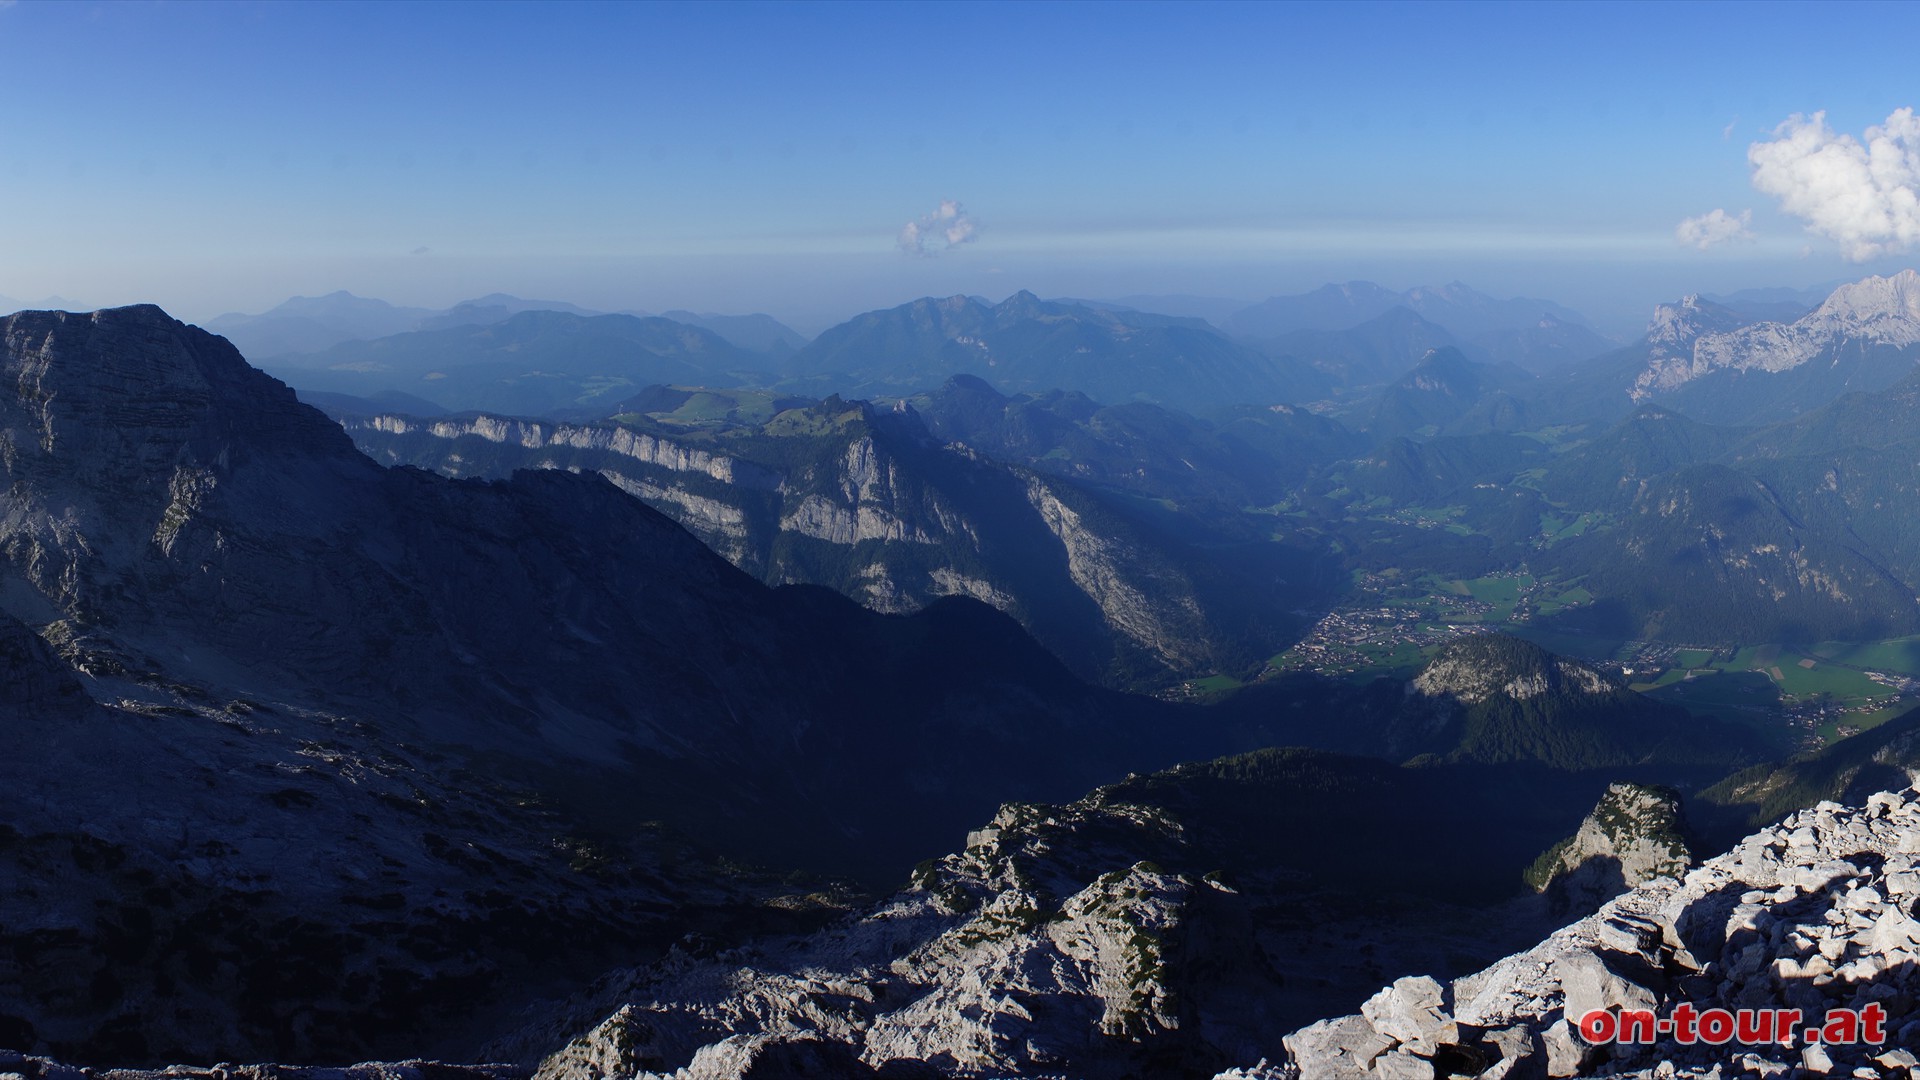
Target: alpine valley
x=1361, y=683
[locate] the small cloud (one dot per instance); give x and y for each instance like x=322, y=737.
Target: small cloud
x=946, y=228
x=419, y=251
x=1863, y=194
x=1713, y=228
x=1727, y=132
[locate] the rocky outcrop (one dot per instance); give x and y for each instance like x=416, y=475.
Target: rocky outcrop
x=33, y=680
x=1469, y=673
x=1813, y=914
x=1632, y=837
x=1167, y=926
x=995, y=961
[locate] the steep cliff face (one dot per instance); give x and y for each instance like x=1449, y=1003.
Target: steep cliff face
x=1141, y=593
x=865, y=502
x=169, y=500
x=1874, y=312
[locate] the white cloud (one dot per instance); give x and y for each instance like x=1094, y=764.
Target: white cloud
x=946, y=228
x=1863, y=194
x=1713, y=228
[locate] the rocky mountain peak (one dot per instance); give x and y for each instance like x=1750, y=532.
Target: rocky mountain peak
x=1869, y=306
x=133, y=386
x=1675, y=326
x=1475, y=669
x=1875, y=312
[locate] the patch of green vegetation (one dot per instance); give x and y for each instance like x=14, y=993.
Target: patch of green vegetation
x=1541, y=871
x=1503, y=590
x=1214, y=685
x=1556, y=526
x=1899, y=656
x=1555, y=435
x=1402, y=658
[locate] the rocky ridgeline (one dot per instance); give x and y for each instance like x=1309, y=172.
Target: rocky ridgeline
x=1467, y=674
x=863, y=501
x=17, y=1066
x=1696, y=339
x=977, y=968
x=1116, y=936
x=1814, y=914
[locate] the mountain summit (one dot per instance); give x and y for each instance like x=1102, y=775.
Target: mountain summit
x=1864, y=337
x=1025, y=344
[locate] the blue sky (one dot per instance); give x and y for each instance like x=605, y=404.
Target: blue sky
x=216, y=157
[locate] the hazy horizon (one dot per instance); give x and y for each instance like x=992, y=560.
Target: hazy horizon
x=816, y=161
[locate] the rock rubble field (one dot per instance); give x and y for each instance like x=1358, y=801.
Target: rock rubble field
x=1816, y=914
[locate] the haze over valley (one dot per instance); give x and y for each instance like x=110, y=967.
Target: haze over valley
x=1237, y=543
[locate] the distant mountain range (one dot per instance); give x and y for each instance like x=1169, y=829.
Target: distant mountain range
x=1245, y=456
x=1027, y=344
x=306, y=325
x=1740, y=509
x=1109, y=351
x=1460, y=309
x=1537, y=336
x=51, y=303
x=1774, y=304
x=533, y=363
x=1441, y=390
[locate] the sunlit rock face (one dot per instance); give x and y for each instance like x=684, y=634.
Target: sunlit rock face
x=1862, y=337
